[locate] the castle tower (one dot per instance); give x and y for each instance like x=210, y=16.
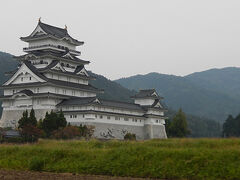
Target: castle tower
x=48, y=73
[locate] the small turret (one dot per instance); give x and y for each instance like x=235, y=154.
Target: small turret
x=147, y=97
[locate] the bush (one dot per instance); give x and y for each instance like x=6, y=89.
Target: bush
x=31, y=133
x=129, y=136
x=86, y=131
x=68, y=132
x=36, y=164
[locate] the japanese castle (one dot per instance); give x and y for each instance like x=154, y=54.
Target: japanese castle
x=50, y=76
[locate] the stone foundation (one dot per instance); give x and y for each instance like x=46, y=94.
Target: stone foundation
x=10, y=117
x=116, y=131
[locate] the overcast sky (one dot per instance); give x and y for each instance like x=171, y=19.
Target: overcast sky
x=129, y=37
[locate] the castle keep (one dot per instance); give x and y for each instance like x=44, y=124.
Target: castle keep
x=50, y=76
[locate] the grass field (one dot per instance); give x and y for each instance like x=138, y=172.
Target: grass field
x=169, y=159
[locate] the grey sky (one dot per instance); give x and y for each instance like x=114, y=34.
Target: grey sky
x=128, y=37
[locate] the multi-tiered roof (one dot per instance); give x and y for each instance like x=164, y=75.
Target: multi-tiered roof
x=53, y=51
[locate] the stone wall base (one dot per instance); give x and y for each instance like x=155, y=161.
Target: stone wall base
x=116, y=131
x=10, y=117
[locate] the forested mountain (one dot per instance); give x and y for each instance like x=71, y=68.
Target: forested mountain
x=224, y=80
x=7, y=63
x=193, y=93
x=200, y=127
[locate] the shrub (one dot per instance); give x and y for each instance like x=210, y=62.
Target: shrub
x=31, y=133
x=27, y=120
x=68, y=132
x=130, y=136
x=53, y=122
x=86, y=131
x=36, y=164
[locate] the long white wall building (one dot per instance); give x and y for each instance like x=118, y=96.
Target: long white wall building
x=50, y=76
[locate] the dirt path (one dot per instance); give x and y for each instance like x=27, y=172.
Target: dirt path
x=29, y=175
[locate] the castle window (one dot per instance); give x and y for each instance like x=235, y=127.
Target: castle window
x=108, y=117
x=70, y=116
x=117, y=118
x=83, y=115
x=101, y=116
x=95, y=115
x=126, y=119
x=30, y=78
x=13, y=91
x=156, y=121
x=73, y=93
x=22, y=79
x=75, y=116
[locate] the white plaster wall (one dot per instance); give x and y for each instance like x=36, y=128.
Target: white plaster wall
x=24, y=78
x=159, y=112
x=26, y=102
x=144, y=102
x=102, y=109
x=155, y=121
x=52, y=42
x=66, y=78
x=101, y=118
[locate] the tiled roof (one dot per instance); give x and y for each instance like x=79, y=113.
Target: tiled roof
x=53, y=81
x=27, y=92
x=77, y=101
x=147, y=93
x=55, y=32
x=108, y=103
x=54, y=54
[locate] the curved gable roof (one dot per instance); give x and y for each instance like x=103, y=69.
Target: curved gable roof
x=53, y=31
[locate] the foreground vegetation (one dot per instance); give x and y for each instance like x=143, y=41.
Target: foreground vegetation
x=171, y=159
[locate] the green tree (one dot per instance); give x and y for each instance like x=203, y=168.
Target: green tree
x=61, y=120
x=53, y=121
x=23, y=120
x=32, y=118
x=40, y=124
x=231, y=127
x=178, y=126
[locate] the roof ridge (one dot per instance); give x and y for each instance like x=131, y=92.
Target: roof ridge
x=51, y=26
x=118, y=101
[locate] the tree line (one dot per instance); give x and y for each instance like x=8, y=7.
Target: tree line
x=177, y=126
x=231, y=127
x=54, y=125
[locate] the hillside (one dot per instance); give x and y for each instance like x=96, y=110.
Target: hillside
x=189, y=94
x=200, y=127
x=224, y=80
x=7, y=63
